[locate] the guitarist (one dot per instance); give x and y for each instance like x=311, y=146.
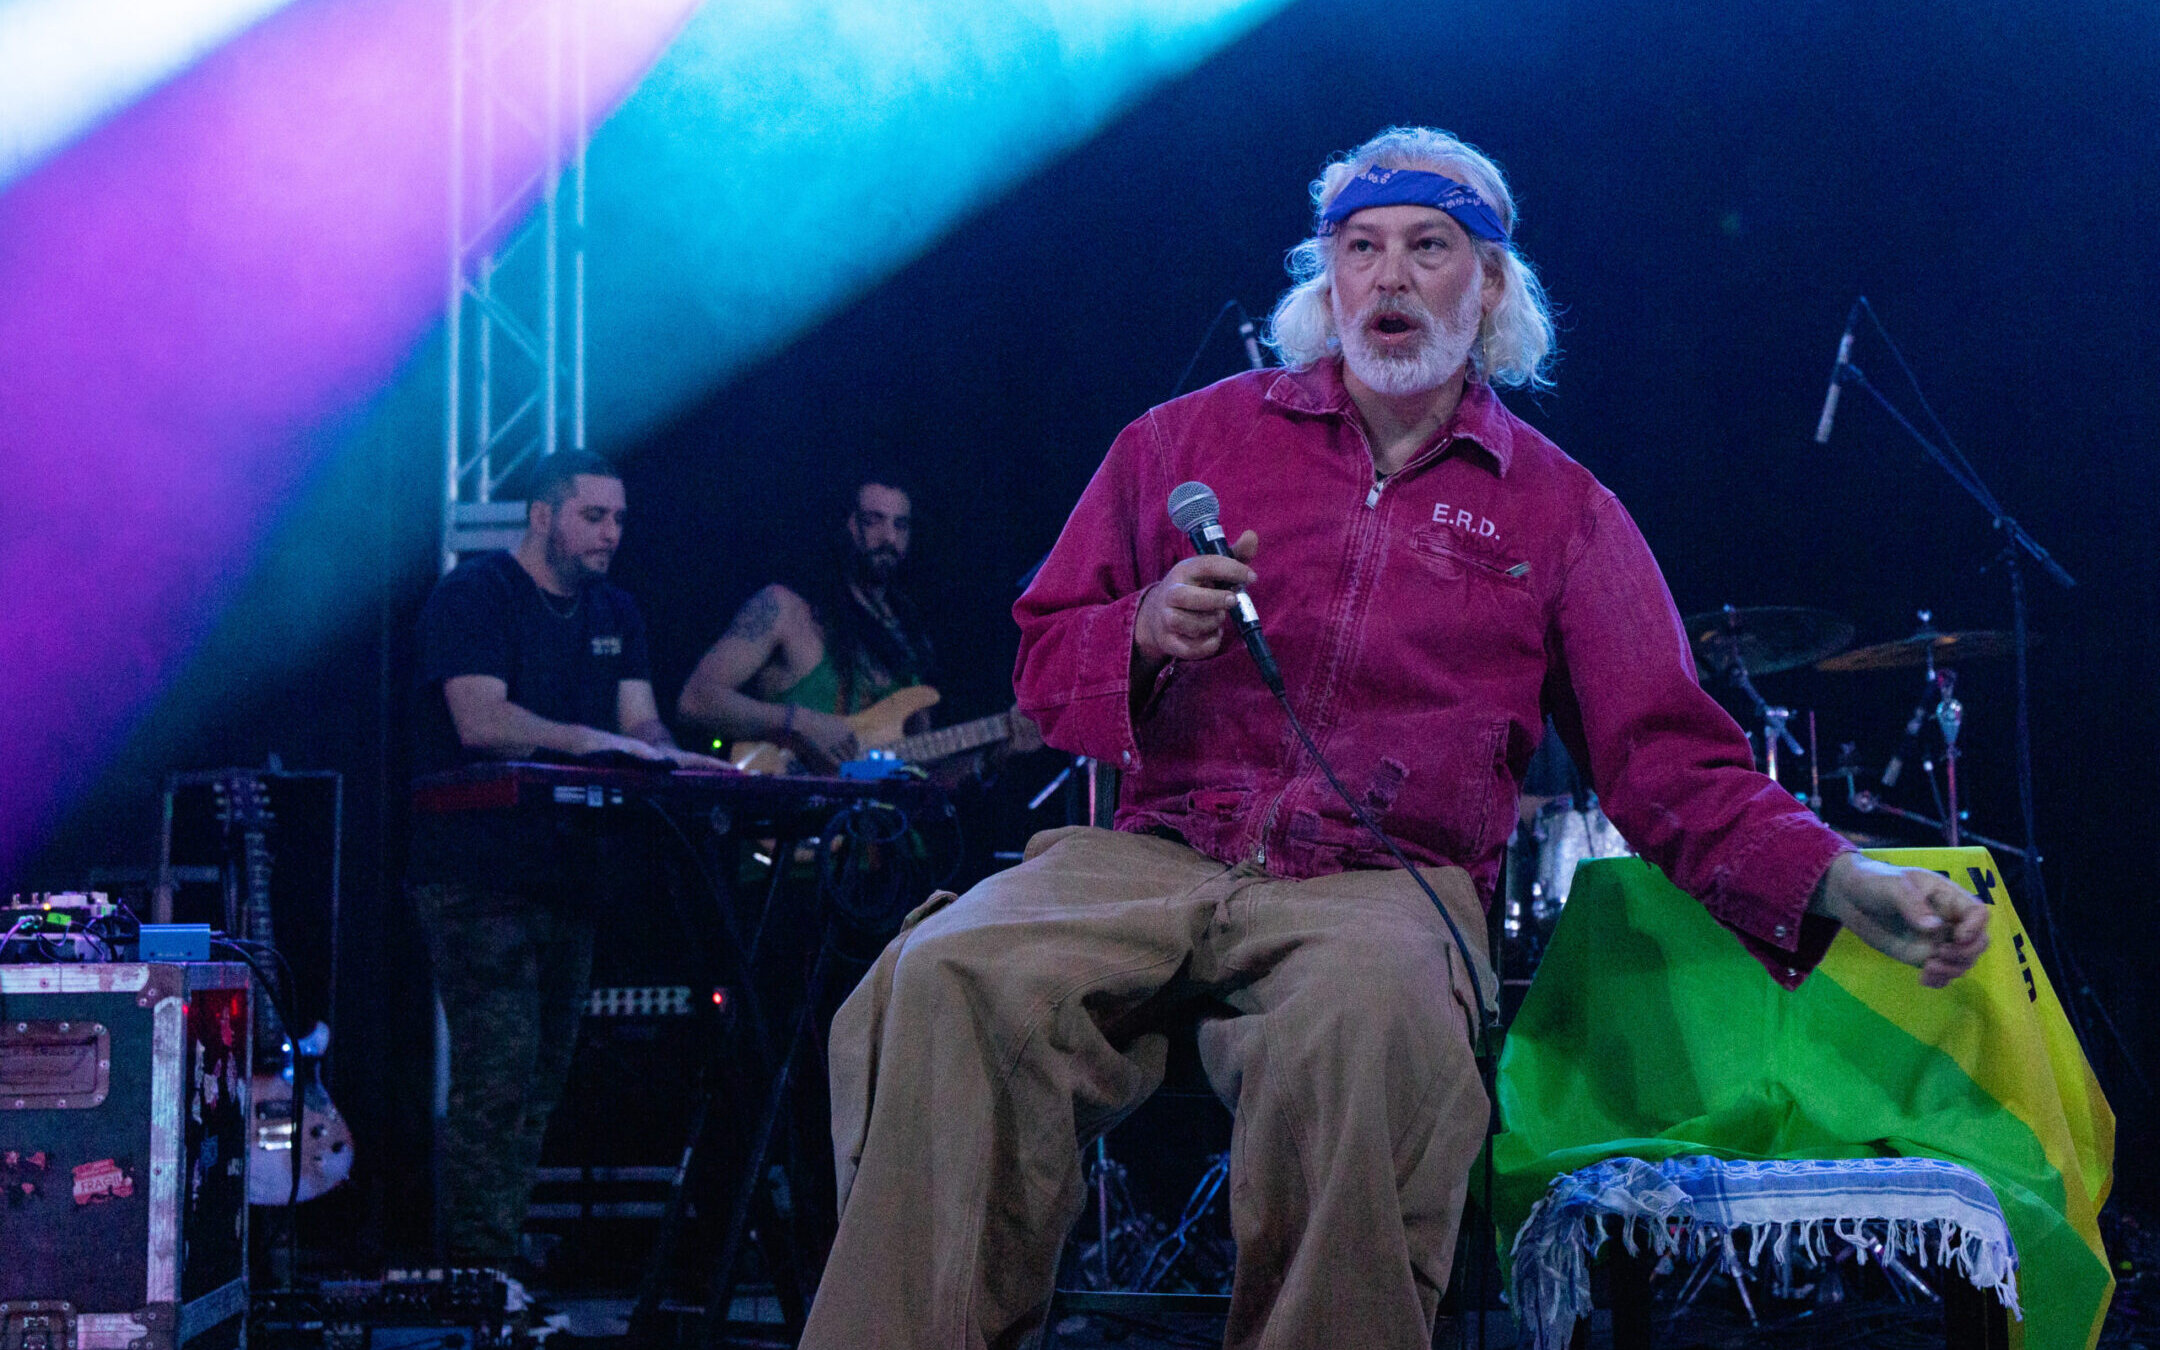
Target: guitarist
x=789, y=671
x=521, y=653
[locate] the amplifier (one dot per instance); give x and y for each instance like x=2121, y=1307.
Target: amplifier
x=619, y=1130
x=123, y=1156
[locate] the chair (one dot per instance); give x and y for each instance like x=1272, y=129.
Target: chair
x=1183, y=1079
x=1092, y=800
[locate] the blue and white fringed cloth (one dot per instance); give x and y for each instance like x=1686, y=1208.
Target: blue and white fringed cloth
x=1893, y=1210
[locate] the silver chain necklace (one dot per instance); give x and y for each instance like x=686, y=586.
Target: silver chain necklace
x=548, y=599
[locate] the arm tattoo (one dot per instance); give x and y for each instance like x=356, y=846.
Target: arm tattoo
x=755, y=620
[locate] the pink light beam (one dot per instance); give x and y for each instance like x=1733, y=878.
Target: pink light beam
x=189, y=298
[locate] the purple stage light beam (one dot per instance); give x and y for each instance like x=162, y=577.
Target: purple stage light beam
x=191, y=299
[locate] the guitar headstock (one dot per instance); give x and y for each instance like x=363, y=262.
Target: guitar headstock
x=243, y=802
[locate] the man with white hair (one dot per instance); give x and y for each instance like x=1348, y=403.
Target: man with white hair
x=1439, y=577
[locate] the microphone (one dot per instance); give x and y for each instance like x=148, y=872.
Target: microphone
x=1197, y=514
x=1844, y=359
x=1252, y=342
x=1911, y=742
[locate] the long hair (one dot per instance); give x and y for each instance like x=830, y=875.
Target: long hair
x=854, y=637
x=1514, y=343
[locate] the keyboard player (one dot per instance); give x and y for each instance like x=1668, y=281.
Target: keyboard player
x=523, y=652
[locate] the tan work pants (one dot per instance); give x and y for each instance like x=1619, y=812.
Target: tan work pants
x=1000, y=1032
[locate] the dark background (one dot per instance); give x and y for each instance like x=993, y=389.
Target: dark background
x=1704, y=187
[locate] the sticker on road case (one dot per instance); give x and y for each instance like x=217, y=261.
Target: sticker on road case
x=103, y=1180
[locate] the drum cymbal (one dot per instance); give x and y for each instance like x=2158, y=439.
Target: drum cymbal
x=1765, y=638
x=1976, y=644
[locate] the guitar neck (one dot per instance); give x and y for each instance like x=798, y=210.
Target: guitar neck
x=270, y=1031
x=954, y=740
x=245, y=809
x=256, y=867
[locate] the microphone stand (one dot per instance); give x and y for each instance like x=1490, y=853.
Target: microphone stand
x=2020, y=542
x=1965, y=478
x=2020, y=546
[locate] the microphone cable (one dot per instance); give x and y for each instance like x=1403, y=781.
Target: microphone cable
x=1486, y=1019
x=1196, y=513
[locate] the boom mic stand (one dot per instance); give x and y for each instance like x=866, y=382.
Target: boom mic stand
x=2020, y=546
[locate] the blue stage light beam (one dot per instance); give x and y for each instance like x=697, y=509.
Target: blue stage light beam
x=784, y=157
x=66, y=65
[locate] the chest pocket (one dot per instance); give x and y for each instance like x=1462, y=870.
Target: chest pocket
x=1475, y=597
x=1451, y=556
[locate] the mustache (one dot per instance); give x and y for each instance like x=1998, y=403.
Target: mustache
x=880, y=560
x=1401, y=306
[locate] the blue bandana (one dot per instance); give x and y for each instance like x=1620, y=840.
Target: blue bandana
x=1379, y=186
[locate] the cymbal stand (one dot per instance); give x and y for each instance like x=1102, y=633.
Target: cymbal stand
x=1950, y=716
x=1867, y=803
x=1773, y=718
x=1774, y=732
x=1814, y=767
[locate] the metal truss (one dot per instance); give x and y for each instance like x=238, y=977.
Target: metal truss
x=514, y=364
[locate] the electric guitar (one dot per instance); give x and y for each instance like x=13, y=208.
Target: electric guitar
x=883, y=726
x=326, y=1155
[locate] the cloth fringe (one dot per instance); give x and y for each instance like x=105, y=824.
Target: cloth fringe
x=1682, y=1208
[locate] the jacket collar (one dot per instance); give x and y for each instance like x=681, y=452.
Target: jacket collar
x=1480, y=417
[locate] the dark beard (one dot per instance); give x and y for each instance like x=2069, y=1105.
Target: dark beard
x=569, y=568
x=865, y=569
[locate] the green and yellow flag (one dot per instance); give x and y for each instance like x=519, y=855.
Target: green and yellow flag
x=1650, y=1032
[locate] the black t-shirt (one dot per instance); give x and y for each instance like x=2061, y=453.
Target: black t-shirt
x=489, y=618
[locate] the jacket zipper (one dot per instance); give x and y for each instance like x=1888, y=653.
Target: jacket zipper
x=1267, y=825
x=1372, y=502
x=1380, y=480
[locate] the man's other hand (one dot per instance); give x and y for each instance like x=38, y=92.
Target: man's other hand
x=1182, y=618
x=822, y=740
x=691, y=759
x=598, y=742
x=1908, y=913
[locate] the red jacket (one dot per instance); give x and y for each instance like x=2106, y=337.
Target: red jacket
x=1426, y=626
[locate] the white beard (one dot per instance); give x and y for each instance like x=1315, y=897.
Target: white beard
x=1442, y=348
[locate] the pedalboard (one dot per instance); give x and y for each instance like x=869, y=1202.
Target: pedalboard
x=437, y=1309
